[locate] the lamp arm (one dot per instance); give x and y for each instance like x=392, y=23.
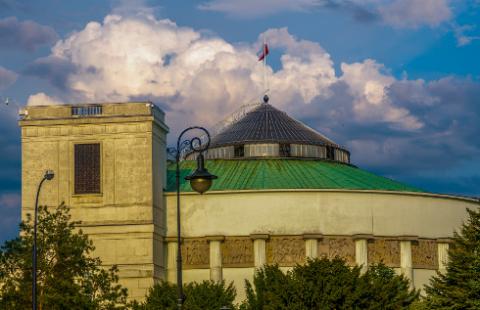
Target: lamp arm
x=195, y=143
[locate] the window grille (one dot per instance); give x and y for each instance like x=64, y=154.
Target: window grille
x=239, y=150
x=330, y=152
x=285, y=150
x=87, y=168
x=87, y=110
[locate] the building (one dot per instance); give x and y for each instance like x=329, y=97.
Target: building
x=285, y=192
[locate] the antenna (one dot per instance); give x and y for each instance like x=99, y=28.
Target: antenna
x=9, y=102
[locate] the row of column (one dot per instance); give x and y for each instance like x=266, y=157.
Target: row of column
x=311, y=251
x=406, y=264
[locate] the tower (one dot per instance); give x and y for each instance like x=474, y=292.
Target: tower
x=110, y=163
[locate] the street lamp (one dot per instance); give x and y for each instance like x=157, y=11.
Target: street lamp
x=47, y=177
x=200, y=181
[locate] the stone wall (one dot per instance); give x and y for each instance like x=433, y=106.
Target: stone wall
x=235, y=260
x=126, y=219
x=409, y=232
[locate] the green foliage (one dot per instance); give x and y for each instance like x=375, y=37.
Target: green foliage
x=68, y=277
x=459, y=286
x=199, y=296
x=325, y=284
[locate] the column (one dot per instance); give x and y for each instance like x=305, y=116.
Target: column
x=406, y=264
x=216, y=257
x=361, y=251
x=259, y=249
x=171, y=259
x=311, y=245
x=442, y=248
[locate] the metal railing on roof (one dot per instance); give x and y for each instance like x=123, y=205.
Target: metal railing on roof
x=87, y=110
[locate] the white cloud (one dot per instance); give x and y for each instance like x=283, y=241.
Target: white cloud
x=255, y=8
x=307, y=69
x=198, y=79
x=396, y=13
x=201, y=79
x=463, y=34
x=7, y=78
x=415, y=13
x=27, y=35
x=368, y=84
x=42, y=99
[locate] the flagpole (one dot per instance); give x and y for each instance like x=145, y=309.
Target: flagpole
x=264, y=66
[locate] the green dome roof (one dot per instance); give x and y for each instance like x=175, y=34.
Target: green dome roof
x=264, y=174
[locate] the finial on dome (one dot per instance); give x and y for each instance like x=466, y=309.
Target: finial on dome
x=265, y=99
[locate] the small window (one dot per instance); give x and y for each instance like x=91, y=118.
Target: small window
x=285, y=150
x=330, y=152
x=87, y=110
x=87, y=168
x=239, y=150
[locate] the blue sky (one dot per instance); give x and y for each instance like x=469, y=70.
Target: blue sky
x=395, y=81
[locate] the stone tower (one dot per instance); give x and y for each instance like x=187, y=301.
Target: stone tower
x=110, y=163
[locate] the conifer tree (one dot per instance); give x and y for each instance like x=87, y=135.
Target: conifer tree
x=68, y=276
x=459, y=286
x=206, y=295
x=328, y=284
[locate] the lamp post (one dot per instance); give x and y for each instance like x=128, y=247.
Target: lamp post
x=200, y=181
x=47, y=177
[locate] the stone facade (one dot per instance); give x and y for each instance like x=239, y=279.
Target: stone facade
x=288, y=251
x=125, y=219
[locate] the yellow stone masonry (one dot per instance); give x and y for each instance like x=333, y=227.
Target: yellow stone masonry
x=126, y=219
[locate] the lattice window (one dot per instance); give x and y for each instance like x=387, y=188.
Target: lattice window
x=239, y=150
x=330, y=152
x=87, y=168
x=285, y=150
x=87, y=110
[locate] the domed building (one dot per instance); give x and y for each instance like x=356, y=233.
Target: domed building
x=284, y=193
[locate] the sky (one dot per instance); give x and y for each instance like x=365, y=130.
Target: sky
x=397, y=82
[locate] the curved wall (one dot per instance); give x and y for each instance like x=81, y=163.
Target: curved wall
x=256, y=150
x=323, y=211
x=229, y=234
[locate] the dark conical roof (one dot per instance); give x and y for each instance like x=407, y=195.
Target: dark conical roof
x=266, y=124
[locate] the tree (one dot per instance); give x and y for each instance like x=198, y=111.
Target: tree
x=459, y=286
x=199, y=296
x=68, y=277
x=325, y=284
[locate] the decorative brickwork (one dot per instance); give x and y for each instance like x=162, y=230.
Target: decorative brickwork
x=424, y=254
x=195, y=253
x=384, y=250
x=286, y=250
x=343, y=247
x=237, y=252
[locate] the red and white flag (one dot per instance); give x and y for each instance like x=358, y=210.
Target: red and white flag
x=263, y=52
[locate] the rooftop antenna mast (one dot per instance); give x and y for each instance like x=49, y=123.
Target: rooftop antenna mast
x=9, y=102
